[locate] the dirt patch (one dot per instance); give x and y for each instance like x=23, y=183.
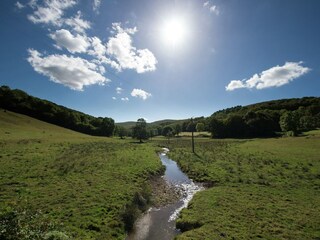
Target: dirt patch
x=163, y=193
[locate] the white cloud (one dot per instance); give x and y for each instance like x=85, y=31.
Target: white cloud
x=114, y=98
x=74, y=44
x=273, y=77
x=119, y=90
x=19, y=5
x=96, y=5
x=73, y=72
x=140, y=93
x=77, y=23
x=234, y=84
x=128, y=57
x=102, y=70
x=33, y=4
x=211, y=7
x=98, y=49
x=50, y=12
x=214, y=9
x=125, y=99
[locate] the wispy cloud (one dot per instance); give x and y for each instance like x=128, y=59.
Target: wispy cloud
x=77, y=23
x=125, y=99
x=273, y=77
x=33, y=3
x=127, y=56
x=140, y=93
x=119, y=90
x=73, y=72
x=19, y=5
x=96, y=5
x=211, y=7
x=114, y=98
x=50, y=12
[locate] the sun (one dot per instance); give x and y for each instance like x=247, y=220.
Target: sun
x=174, y=31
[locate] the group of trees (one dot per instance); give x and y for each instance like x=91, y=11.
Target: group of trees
x=250, y=125
x=267, y=119
x=300, y=120
x=20, y=102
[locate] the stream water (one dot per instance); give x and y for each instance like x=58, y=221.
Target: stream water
x=159, y=223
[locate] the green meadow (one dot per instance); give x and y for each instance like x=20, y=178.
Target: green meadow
x=59, y=184
x=257, y=188
x=65, y=185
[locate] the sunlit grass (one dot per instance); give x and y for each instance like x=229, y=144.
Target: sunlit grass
x=86, y=183
x=261, y=188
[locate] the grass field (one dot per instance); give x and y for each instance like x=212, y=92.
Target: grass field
x=261, y=188
x=53, y=179
x=56, y=182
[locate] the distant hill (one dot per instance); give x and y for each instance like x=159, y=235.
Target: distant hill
x=164, y=122
x=291, y=104
x=18, y=101
x=127, y=125
x=18, y=126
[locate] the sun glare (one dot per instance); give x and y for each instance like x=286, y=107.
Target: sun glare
x=174, y=31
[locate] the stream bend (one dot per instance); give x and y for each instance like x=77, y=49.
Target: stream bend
x=159, y=223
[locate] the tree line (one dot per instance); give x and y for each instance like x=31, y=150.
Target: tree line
x=20, y=102
x=267, y=119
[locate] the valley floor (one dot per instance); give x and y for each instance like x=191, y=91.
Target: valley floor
x=56, y=182
x=68, y=183
x=259, y=188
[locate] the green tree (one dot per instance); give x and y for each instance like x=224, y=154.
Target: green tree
x=307, y=123
x=289, y=122
x=191, y=127
x=200, y=127
x=153, y=132
x=140, y=130
x=216, y=128
x=121, y=131
x=177, y=129
x=107, y=127
x=166, y=130
x=235, y=126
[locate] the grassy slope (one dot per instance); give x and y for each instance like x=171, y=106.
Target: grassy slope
x=262, y=188
x=81, y=181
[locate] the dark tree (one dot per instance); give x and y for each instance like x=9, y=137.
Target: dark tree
x=216, y=128
x=107, y=127
x=166, y=130
x=259, y=124
x=235, y=126
x=177, y=129
x=191, y=126
x=121, y=131
x=140, y=130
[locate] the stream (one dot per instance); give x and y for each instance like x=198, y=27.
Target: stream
x=159, y=223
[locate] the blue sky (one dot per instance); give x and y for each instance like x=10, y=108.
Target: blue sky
x=160, y=59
